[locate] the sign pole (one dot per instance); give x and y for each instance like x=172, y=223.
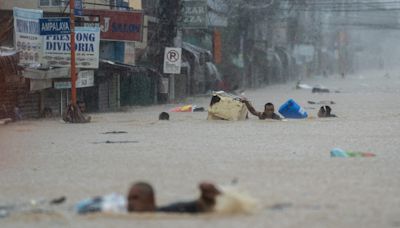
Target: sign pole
x=73, y=67
x=172, y=65
x=171, y=88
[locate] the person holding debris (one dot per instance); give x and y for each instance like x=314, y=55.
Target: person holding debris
x=325, y=111
x=269, y=111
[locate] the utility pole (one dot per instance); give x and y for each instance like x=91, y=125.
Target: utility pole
x=168, y=12
x=73, y=67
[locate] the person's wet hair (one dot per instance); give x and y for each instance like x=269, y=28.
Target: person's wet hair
x=269, y=104
x=141, y=197
x=325, y=111
x=163, y=116
x=328, y=110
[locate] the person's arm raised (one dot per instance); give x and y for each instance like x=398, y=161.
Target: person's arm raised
x=251, y=108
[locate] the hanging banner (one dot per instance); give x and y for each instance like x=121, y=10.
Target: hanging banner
x=172, y=60
x=28, y=41
x=117, y=25
x=57, y=49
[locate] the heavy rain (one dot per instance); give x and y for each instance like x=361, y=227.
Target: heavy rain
x=195, y=113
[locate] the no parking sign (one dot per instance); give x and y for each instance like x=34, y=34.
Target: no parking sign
x=172, y=60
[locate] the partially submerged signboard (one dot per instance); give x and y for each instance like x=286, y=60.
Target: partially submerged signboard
x=57, y=48
x=27, y=38
x=117, y=25
x=194, y=14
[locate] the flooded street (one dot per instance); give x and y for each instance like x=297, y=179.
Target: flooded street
x=286, y=165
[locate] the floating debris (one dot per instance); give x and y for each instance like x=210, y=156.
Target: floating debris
x=321, y=102
x=112, y=142
x=115, y=132
x=58, y=200
x=281, y=206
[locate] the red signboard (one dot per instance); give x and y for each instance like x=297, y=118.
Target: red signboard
x=117, y=25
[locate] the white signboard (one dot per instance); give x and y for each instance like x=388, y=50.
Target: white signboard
x=85, y=79
x=172, y=60
x=57, y=49
x=28, y=41
x=129, y=53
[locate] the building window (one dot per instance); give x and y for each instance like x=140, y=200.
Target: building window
x=44, y=2
x=51, y=3
x=56, y=2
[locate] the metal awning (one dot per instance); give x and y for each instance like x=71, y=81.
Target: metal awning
x=211, y=69
x=108, y=64
x=196, y=51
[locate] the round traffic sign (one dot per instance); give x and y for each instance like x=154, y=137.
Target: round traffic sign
x=173, y=56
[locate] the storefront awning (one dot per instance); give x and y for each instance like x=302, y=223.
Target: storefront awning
x=105, y=64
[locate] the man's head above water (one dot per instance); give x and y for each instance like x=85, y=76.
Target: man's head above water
x=269, y=109
x=141, y=198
